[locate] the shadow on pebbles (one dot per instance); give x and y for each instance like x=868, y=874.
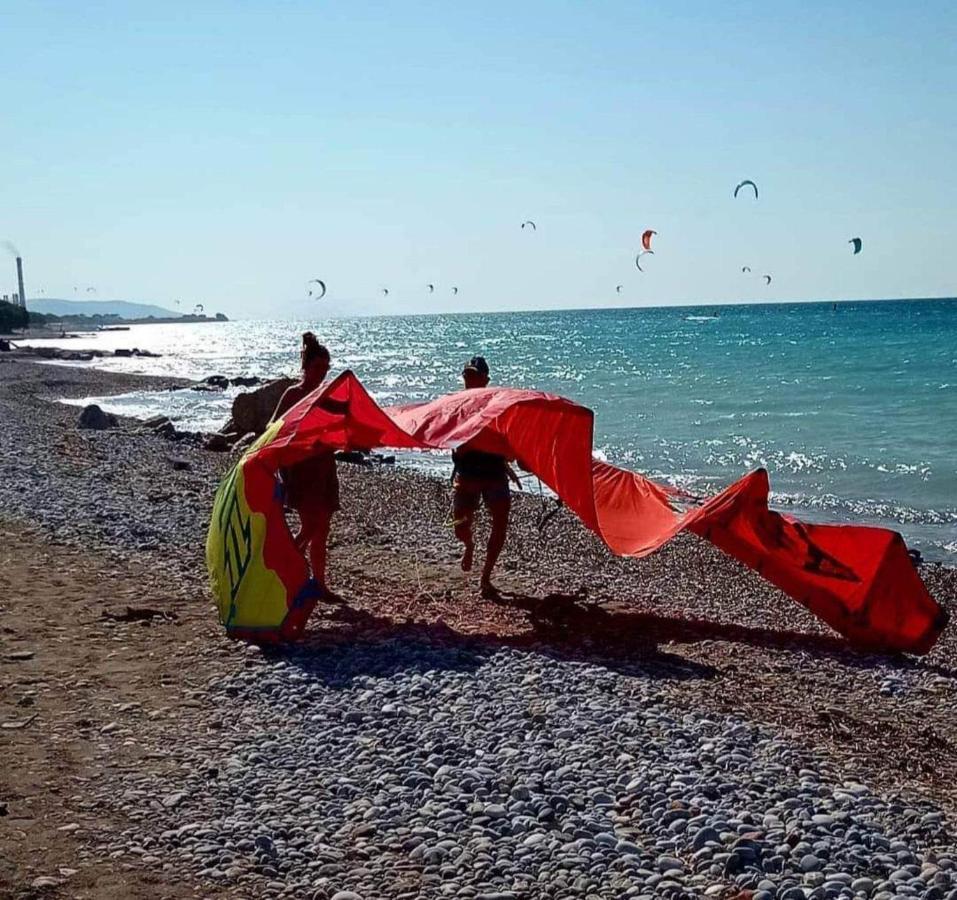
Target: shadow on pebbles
x=407, y=768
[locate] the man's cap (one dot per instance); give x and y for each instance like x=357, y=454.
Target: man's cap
x=477, y=364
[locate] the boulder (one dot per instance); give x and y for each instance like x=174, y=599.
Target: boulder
x=122, y=352
x=4, y=345
x=167, y=430
x=252, y=410
x=216, y=381
x=94, y=417
x=244, y=381
x=154, y=421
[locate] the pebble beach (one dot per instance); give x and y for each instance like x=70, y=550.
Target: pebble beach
x=669, y=727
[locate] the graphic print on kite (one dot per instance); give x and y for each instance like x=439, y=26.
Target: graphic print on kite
x=236, y=530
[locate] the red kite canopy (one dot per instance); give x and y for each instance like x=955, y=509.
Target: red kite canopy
x=646, y=239
x=857, y=579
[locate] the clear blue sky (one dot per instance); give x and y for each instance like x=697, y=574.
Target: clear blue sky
x=224, y=153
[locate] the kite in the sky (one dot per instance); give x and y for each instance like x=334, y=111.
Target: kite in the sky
x=455, y=290
x=322, y=287
x=745, y=268
x=640, y=255
x=385, y=292
x=198, y=309
x=646, y=239
x=618, y=289
x=431, y=288
x=530, y=224
x=91, y=290
x=748, y=182
x=858, y=243
x=767, y=279
x=858, y=579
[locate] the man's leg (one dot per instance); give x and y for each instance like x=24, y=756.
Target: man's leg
x=498, y=511
x=464, y=504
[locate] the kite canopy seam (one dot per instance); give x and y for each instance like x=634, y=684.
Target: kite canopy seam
x=858, y=579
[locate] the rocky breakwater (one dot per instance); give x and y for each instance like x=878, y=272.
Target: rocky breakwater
x=408, y=768
x=60, y=353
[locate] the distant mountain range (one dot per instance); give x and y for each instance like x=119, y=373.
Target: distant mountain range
x=123, y=308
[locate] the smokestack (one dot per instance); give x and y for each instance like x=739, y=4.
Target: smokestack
x=23, y=297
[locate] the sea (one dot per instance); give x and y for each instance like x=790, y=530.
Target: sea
x=852, y=407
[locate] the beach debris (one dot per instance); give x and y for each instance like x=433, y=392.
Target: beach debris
x=646, y=239
x=530, y=224
x=749, y=183
x=137, y=614
x=858, y=244
x=94, y=418
x=639, y=256
x=20, y=655
x=23, y=723
x=322, y=287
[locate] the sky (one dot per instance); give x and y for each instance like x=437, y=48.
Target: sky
x=226, y=153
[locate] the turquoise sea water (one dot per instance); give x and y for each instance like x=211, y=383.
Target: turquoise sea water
x=852, y=408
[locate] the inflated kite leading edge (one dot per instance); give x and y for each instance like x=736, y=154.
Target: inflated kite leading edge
x=857, y=579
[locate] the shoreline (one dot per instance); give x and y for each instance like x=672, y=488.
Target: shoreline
x=687, y=635
x=930, y=536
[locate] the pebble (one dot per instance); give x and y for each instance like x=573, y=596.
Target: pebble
x=465, y=790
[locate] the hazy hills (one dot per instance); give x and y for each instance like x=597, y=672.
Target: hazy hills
x=124, y=308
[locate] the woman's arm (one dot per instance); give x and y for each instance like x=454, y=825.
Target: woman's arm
x=289, y=398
